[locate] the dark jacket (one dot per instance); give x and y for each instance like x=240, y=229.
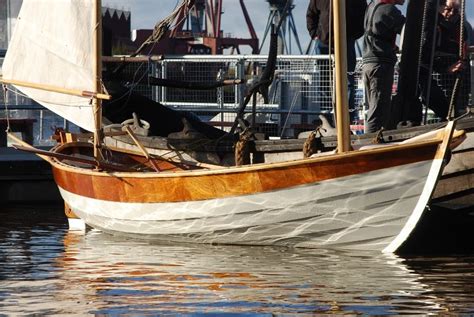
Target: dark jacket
x=447, y=43
x=318, y=14
x=448, y=34
x=382, y=22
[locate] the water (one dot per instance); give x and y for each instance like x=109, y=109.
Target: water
x=44, y=269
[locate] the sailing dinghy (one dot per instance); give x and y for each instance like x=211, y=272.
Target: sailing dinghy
x=369, y=199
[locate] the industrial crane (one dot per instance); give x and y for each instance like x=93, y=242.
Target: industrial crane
x=288, y=32
x=199, y=30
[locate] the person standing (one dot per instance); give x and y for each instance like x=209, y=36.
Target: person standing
x=383, y=21
x=318, y=17
x=448, y=62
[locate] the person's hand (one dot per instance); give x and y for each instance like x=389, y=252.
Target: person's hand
x=456, y=67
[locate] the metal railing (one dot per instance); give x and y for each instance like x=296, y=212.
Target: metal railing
x=301, y=90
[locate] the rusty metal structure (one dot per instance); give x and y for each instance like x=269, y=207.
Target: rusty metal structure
x=200, y=32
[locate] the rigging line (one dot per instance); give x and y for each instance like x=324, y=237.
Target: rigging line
x=331, y=71
x=308, y=61
x=461, y=31
x=7, y=112
x=128, y=94
x=133, y=85
x=293, y=103
x=187, y=10
x=159, y=31
x=459, y=74
x=433, y=47
x=331, y=60
x=134, y=82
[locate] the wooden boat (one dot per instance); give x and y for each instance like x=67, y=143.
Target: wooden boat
x=366, y=199
x=454, y=189
x=196, y=144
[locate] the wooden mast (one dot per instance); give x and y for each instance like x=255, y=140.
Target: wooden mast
x=340, y=50
x=97, y=75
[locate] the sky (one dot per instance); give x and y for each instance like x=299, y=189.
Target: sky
x=146, y=13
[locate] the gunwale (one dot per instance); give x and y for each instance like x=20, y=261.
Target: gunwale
x=239, y=169
x=235, y=181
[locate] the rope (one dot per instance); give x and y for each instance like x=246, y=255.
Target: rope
x=331, y=60
x=162, y=27
x=432, y=51
x=242, y=148
x=160, y=30
x=313, y=144
x=457, y=83
x=461, y=31
x=378, y=139
x=7, y=112
x=307, y=146
x=331, y=75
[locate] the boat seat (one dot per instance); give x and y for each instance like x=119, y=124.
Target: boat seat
x=380, y=145
x=320, y=154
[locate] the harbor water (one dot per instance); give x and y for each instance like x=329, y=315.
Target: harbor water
x=47, y=270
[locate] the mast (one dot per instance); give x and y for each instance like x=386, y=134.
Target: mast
x=97, y=74
x=340, y=49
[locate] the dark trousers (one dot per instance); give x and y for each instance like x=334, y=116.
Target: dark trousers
x=378, y=81
x=438, y=101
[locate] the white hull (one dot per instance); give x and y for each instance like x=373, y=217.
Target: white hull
x=370, y=211
x=454, y=188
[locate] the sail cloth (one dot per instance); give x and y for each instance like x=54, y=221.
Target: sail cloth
x=52, y=45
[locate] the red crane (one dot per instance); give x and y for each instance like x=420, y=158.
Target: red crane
x=199, y=32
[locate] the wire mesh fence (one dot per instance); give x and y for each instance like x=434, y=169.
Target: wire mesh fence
x=301, y=90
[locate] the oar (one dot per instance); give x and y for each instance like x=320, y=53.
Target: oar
x=47, y=155
x=145, y=153
x=142, y=148
x=26, y=146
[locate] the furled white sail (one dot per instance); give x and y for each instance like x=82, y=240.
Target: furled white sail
x=52, y=45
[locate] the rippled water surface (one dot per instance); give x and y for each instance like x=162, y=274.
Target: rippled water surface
x=45, y=269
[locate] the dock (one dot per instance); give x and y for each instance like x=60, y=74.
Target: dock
x=26, y=179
